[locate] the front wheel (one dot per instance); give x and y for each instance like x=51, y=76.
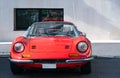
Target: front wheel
x=15, y=69
x=86, y=69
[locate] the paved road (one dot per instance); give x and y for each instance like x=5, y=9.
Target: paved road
x=101, y=68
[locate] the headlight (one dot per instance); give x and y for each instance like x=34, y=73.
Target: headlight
x=82, y=47
x=18, y=47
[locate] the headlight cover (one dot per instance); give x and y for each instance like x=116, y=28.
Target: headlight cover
x=82, y=47
x=18, y=47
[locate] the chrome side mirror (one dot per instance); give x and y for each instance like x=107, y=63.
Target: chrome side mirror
x=84, y=34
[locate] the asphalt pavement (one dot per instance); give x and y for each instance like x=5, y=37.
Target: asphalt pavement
x=102, y=67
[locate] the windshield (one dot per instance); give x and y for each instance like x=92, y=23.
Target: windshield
x=52, y=29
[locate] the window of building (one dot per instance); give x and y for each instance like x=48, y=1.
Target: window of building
x=24, y=17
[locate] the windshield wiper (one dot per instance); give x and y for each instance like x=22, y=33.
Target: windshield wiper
x=32, y=35
x=42, y=35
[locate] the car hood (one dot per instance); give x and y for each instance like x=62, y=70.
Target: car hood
x=51, y=44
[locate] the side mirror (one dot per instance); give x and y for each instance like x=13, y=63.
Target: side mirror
x=84, y=34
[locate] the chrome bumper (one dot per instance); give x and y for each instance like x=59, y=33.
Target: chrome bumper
x=20, y=61
x=80, y=60
x=66, y=61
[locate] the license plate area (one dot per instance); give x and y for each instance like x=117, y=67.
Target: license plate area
x=48, y=66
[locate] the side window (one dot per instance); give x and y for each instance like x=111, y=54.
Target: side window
x=24, y=17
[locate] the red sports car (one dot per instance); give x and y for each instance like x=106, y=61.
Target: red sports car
x=51, y=45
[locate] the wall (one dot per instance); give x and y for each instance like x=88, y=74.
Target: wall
x=98, y=18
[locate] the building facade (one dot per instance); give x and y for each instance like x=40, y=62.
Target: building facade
x=99, y=19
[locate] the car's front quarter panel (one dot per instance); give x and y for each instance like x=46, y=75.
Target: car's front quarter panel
x=18, y=55
x=87, y=53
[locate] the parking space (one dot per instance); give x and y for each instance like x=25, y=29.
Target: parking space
x=101, y=68
x=106, y=64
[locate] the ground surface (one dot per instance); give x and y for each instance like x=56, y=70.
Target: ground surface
x=101, y=68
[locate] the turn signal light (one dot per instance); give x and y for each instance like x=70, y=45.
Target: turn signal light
x=73, y=55
x=26, y=56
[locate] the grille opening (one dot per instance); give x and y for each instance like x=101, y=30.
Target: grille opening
x=51, y=61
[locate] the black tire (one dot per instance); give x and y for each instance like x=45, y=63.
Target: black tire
x=86, y=69
x=15, y=69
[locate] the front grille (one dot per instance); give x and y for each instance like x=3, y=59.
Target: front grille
x=50, y=61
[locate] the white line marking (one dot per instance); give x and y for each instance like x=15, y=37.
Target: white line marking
x=6, y=43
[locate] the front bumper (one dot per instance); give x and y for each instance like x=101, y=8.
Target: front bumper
x=65, y=61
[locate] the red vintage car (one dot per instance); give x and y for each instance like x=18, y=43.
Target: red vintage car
x=51, y=45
